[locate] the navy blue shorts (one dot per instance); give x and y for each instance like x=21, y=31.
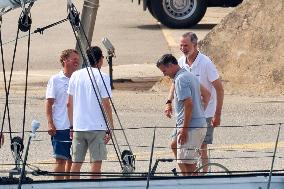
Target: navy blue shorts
x=61, y=144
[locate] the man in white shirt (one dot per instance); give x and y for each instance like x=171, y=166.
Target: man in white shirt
x=56, y=112
x=90, y=113
x=203, y=68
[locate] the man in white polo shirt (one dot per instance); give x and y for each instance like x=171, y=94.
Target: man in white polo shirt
x=90, y=112
x=56, y=111
x=203, y=68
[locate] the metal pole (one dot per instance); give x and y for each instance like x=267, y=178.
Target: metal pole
x=109, y=59
x=88, y=20
x=23, y=170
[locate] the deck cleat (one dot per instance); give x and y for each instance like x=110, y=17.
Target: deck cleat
x=128, y=162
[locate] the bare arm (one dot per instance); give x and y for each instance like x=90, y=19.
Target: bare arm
x=107, y=108
x=205, y=94
x=70, y=109
x=171, y=93
x=220, y=97
x=48, y=111
x=169, y=110
x=183, y=136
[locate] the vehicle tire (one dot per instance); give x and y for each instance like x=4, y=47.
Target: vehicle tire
x=179, y=13
x=149, y=6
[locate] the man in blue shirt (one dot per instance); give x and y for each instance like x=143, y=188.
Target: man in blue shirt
x=189, y=111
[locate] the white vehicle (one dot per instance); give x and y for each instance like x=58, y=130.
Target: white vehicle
x=183, y=13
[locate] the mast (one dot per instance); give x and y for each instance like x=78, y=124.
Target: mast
x=88, y=19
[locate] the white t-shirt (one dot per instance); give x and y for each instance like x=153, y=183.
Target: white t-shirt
x=87, y=114
x=206, y=72
x=57, y=89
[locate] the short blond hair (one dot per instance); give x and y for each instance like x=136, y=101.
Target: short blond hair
x=65, y=54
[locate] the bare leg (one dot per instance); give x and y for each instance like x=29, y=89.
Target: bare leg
x=204, y=157
x=96, y=168
x=59, y=167
x=68, y=168
x=190, y=168
x=182, y=168
x=174, y=147
x=75, y=168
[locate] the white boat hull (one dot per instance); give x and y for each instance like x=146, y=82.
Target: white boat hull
x=206, y=182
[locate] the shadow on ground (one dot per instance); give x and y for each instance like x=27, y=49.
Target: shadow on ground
x=135, y=84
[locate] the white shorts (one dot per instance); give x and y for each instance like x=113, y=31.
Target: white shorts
x=188, y=152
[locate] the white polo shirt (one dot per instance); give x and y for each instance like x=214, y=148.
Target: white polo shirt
x=87, y=114
x=206, y=72
x=57, y=89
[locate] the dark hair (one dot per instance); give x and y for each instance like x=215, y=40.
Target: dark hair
x=94, y=55
x=167, y=59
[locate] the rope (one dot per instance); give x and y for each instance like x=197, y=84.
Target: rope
x=26, y=85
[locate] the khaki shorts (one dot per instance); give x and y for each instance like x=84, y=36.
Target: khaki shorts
x=188, y=153
x=92, y=140
x=209, y=133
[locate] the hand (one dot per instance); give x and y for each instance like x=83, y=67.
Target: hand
x=216, y=121
x=182, y=137
x=71, y=134
x=1, y=140
x=168, y=110
x=51, y=129
x=107, y=138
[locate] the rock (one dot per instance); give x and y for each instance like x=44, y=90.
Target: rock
x=247, y=48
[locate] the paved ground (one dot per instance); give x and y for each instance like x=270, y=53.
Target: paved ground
x=139, y=41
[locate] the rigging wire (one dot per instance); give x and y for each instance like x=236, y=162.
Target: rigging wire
x=75, y=21
x=114, y=109
x=147, y=160
x=26, y=85
x=151, y=159
x=171, y=127
x=75, y=16
x=7, y=90
x=93, y=81
x=4, y=75
x=101, y=107
x=38, y=30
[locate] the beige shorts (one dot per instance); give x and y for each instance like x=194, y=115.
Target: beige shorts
x=188, y=152
x=92, y=140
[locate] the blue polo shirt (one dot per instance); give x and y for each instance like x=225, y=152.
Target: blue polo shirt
x=187, y=86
